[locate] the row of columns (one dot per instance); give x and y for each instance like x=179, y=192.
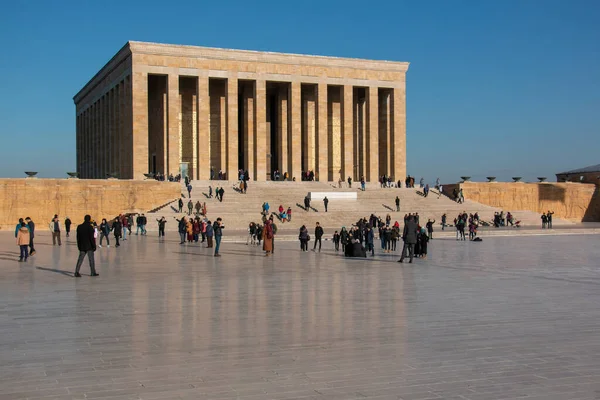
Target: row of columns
x=103, y=134
x=337, y=131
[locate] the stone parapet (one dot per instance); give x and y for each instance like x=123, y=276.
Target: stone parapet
x=40, y=199
x=573, y=201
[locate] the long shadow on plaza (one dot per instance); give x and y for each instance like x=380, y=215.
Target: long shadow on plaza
x=58, y=271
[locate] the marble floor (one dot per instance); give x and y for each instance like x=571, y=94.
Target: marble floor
x=507, y=318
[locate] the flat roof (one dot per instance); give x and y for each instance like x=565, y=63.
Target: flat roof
x=591, y=168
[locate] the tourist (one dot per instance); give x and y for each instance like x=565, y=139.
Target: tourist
x=544, y=220
x=180, y=203
x=31, y=226
x=189, y=190
x=423, y=240
x=117, y=229
x=397, y=204
x=198, y=207
x=258, y=234
x=336, y=241
x=189, y=230
x=138, y=223
x=395, y=235
x=369, y=239
x=426, y=190
x=68, y=226
x=340, y=181
x=429, y=226
x=461, y=196
x=549, y=219
x=23, y=238
x=306, y=202
x=349, y=182
x=410, y=239
x=280, y=209
x=325, y=202
x=125, y=226
x=181, y=228
x=218, y=232
x=104, y=231
x=251, y=233
x=210, y=191
x=387, y=238
x=440, y=191
x=161, y=226
x=267, y=236
x=190, y=206
x=344, y=238
x=55, y=229
x=86, y=245
x=444, y=219
x=209, y=235
x=129, y=224
x=421, y=183
x=363, y=184
x=289, y=214
x=304, y=237
x=318, y=236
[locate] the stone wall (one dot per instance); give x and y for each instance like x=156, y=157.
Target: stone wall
x=40, y=199
x=573, y=201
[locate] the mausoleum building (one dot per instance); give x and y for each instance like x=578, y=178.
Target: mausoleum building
x=169, y=109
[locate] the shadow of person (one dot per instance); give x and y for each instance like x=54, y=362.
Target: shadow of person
x=58, y=271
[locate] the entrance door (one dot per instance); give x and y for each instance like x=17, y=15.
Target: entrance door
x=183, y=170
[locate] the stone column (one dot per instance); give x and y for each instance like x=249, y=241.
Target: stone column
x=373, y=136
x=283, y=133
x=121, y=123
x=261, y=130
x=385, y=127
x=322, y=148
x=249, y=148
x=203, y=129
x=296, y=136
x=232, y=128
x=174, y=121
x=399, y=132
x=139, y=156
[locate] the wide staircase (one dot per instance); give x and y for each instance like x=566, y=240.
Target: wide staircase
x=237, y=210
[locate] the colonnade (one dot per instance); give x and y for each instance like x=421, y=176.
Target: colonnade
x=162, y=123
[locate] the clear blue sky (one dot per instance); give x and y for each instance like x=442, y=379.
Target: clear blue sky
x=504, y=88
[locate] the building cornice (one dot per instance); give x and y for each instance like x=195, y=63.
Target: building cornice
x=212, y=53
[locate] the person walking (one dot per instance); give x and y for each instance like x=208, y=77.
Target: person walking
x=31, y=226
x=397, y=204
x=198, y=207
x=336, y=240
x=318, y=236
x=218, y=231
x=251, y=233
x=104, y=231
x=180, y=204
x=189, y=190
x=369, y=239
x=209, y=235
x=221, y=192
x=181, y=228
x=267, y=236
x=410, y=239
x=86, y=245
x=544, y=221
x=55, y=229
x=117, y=229
x=429, y=226
x=138, y=223
x=190, y=206
x=68, y=226
x=444, y=219
x=349, y=182
x=325, y=202
x=23, y=238
x=289, y=214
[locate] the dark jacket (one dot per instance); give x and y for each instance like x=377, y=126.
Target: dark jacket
x=410, y=232
x=117, y=228
x=85, y=237
x=218, y=229
x=319, y=232
x=181, y=227
x=31, y=226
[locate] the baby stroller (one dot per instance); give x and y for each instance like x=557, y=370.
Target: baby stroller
x=518, y=224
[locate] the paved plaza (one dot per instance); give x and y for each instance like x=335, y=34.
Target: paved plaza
x=507, y=318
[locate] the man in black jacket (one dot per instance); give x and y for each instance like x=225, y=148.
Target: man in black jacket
x=86, y=245
x=318, y=236
x=31, y=226
x=410, y=239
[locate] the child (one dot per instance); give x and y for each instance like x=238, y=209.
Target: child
x=336, y=240
x=23, y=241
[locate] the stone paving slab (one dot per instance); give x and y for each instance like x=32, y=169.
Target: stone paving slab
x=507, y=318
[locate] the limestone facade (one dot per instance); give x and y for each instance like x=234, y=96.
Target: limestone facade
x=160, y=108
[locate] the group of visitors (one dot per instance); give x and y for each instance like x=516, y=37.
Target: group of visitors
x=547, y=219
x=264, y=233
x=159, y=176
x=191, y=229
